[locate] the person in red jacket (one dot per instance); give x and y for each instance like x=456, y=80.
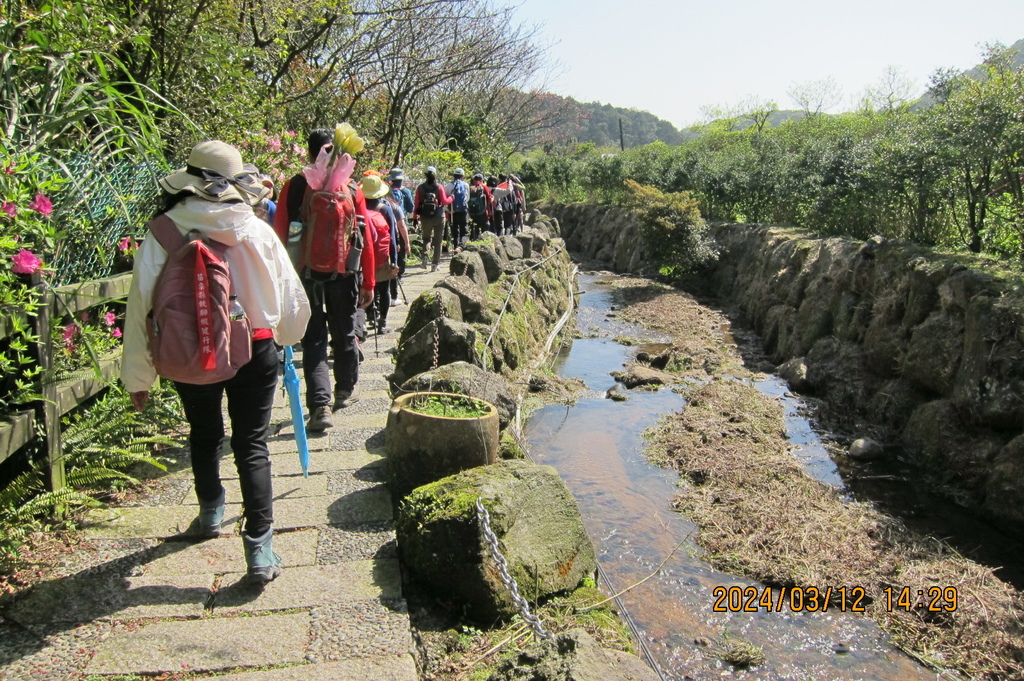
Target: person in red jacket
x=337, y=300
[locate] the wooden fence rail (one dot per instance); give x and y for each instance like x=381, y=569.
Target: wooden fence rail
x=58, y=398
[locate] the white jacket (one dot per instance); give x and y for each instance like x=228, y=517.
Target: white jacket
x=265, y=281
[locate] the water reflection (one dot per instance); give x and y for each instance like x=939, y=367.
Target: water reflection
x=596, y=446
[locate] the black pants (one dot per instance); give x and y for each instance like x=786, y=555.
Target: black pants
x=460, y=226
x=479, y=224
x=393, y=284
x=333, y=306
x=250, y=398
x=382, y=302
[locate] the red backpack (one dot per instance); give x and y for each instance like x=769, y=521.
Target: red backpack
x=197, y=331
x=331, y=242
x=381, y=232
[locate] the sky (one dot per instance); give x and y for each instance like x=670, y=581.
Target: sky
x=672, y=58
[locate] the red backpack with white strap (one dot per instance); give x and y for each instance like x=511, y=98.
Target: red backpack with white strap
x=194, y=336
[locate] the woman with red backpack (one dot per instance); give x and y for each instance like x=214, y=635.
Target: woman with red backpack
x=385, y=246
x=208, y=213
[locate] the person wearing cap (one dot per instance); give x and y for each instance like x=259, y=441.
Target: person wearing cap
x=213, y=195
x=396, y=201
x=428, y=194
x=337, y=300
x=458, y=217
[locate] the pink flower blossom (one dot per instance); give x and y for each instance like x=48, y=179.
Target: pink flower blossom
x=297, y=150
x=83, y=317
x=290, y=133
x=42, y=205
x=9, y=208
x=109, y=318
x=274, y=144
x=116, y=333
x=70, y=331
x=26, y=262
x=9, y=168
x=125, y=244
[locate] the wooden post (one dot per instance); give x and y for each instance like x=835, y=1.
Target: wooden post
x=49, y=410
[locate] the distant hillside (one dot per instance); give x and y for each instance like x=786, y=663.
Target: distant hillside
x=598, y=123
x=977, y=72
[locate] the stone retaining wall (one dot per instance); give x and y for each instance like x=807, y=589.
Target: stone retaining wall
x=927, y=347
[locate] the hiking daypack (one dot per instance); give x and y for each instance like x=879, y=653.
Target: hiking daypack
x=429, y=199
x=477, y=201
x=331, y=241
x=459, y=191
x=197, y=331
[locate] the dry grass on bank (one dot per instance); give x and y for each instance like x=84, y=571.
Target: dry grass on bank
x=760, y=515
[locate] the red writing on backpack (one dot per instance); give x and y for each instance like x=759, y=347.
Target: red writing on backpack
x=193, y=335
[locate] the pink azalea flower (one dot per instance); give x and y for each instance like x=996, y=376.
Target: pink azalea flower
x=297, y=150
x=274, y=144
x=42, y=205
x=290, y=133
x=116, y=333
x=125, y=244
x=9, y=208
x=70, y=331
x=26, y=262
x=109, y=318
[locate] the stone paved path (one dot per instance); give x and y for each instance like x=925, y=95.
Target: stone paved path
x=150, y=602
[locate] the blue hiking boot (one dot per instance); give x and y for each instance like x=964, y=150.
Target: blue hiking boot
x=264, y=565
x=211, y=515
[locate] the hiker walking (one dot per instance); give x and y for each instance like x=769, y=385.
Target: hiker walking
x=458, y=209
x=337, y=270
x=400, y=200
x=384, y=227
x=495, y=215
x=208, y=244
x=478, y=206
x=430, y=202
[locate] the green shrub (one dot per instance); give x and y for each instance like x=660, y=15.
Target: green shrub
x=675, y=233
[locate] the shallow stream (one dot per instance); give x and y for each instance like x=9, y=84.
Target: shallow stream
x=597, y=447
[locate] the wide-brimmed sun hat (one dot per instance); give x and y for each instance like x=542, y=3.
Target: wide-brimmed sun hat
x=215, y=172
x=373, y=188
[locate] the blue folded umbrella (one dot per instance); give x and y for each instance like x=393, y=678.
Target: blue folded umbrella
x=291, y=385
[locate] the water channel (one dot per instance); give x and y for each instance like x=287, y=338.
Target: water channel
x=597, y=447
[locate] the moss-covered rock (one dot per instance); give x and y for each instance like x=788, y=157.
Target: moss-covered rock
x=536, y=522
x=455, y=342
x=428, y=306
x=513, y=247
x=469, y=264
x=471, y=297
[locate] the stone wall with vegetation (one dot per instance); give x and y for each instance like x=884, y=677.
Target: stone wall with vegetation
x=922, y=349
x=532, y=271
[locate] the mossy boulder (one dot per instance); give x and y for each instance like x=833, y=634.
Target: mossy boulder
x=492, y=253
x=469, y=264
x=467, y=379
x=456, y=342
x=471, y=297
x=534, y=517
x=428, y=306
x=1004, y=497
x=513, y=247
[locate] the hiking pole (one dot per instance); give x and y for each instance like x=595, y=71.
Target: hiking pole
x=402, y=289
x=376, y=329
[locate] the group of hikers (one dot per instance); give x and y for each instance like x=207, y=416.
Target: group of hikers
x=235, y=271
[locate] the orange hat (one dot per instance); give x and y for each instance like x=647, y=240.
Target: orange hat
x=367, y=173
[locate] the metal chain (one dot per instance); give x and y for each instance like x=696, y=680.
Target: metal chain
x=437, y=343
x=508, y=580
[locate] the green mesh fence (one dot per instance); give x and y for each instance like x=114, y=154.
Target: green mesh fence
x=98, y=209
